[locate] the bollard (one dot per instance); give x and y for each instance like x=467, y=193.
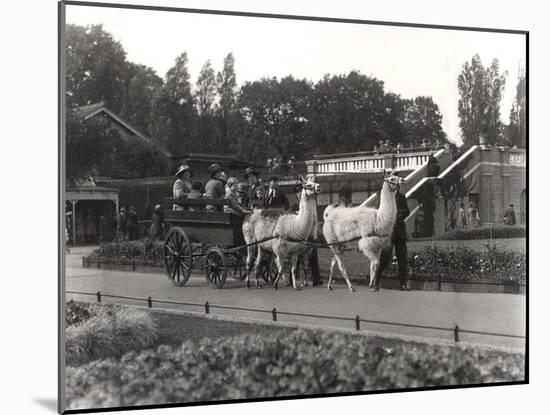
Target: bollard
x=99, y=296
x=150, y=302
x=207, y=308
x=357, y=323
x=274, y=314
x=133, y=264
x=456, y=333
x=98, y=263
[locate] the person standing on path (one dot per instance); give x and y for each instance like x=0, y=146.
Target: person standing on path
x=510, y=216
x=132, y=224
x=121, y=223
x=399, y=242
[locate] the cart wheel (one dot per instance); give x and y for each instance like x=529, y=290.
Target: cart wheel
x=178, y=256
x=237, y=265
x=215, y=267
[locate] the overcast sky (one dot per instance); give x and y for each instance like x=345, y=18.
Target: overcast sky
x=410, y=61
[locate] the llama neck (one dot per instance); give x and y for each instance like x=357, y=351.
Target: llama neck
x=305, y=220
x=387, y=211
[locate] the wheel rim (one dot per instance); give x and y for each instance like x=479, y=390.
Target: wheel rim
x=215, y=267
x=178, y=258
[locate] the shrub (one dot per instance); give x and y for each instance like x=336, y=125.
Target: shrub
x=485, y=232
x=142, y=252
x=110, y=332
x=76, y=312
x=461, y=263
x=286, y=364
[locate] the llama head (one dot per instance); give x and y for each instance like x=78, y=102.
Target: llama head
x=392, y=181
x=309, y=187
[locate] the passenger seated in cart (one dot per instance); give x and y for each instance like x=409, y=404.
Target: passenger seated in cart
x=182, y=185
x=215, y=186
x=253, y=180
x=231, y=195
x=242, y=194
x=194, y=195
x=259, y=201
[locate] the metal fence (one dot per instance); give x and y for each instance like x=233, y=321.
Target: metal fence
x=357, y=320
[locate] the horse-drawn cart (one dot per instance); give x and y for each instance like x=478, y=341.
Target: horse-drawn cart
x=214, y=240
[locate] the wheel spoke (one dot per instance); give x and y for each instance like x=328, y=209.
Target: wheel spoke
x=178, y=269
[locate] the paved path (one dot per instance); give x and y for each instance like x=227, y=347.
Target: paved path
x=496, y=313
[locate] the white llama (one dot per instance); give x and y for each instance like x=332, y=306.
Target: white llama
x=287, y=227
x=371, y=226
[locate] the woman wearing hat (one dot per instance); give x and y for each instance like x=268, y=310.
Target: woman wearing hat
x=182, y=185
x=214, y=188
x=231, y=194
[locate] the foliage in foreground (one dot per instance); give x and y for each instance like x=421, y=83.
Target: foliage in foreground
x=298, y=363
x=107, y=331
x=485, y=232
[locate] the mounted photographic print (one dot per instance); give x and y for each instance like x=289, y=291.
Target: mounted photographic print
x=259, y=207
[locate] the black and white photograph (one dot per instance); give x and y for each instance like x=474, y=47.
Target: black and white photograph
x=261, y=206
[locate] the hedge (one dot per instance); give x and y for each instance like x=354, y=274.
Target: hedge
x=460, y=263
x=142, y=252
x=486, y=232
x=301, y=362
x=456, y=263
x=106, y=331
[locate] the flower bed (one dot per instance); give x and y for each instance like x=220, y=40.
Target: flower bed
x=453, y=263
x=301, y=362
x=486, y=232
x=141, y=252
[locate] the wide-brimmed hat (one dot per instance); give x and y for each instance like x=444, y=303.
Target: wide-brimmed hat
x=215, y=168
x=182, y=168
x=249, y=171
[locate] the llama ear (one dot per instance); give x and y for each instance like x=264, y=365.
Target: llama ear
x=302, y=179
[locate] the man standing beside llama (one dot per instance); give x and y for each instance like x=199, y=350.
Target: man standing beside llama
x=399, y=241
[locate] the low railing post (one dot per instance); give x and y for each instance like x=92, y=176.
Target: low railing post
x=133, y=264
x=357, y=323
x=98, y=263
x=456, y=329
x=98, y=294
x=150, y=302
x=207, y=308
x=274, y=314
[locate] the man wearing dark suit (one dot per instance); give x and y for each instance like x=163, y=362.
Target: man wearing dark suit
x=399, y=241
x=252, y=176
x=276, y=198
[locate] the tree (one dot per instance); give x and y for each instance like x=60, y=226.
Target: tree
x=480, y=92
x=273, y=118
x=87, y=144
x=95, y=66
x=226, y=88
x=351, y=113
x=517, y=130
x=205, y=96
x=421, y=120
x=173, y=112
x=143, y=85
